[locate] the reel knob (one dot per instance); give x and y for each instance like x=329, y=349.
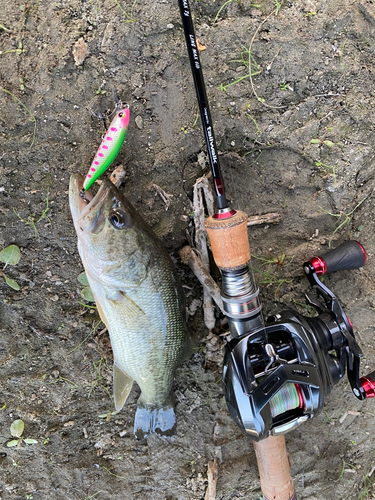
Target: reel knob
x=368, y=384
x=349, y=255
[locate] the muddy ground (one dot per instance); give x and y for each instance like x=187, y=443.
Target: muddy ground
x=314, y=65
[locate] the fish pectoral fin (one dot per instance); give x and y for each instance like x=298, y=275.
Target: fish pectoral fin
x=132, y=310
x=122, y=385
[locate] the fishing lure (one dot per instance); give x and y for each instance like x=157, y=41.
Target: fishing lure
x=109, y=148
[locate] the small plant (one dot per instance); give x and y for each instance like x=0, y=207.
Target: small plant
x=32, y=221
x=18, y=51
x=257, y=6
x=26, y=109
x=16, y=429
x=10, y=255
x=108, y=415
x=327, y=169
x=248, y=60
x=343, y=218
x=276, y=259
x=330, y=144
x=86, y=292
x=269, y=276
x=278, y=6
x=129, y=18
x=258, y=132
x=284, y=86
x=98, y=365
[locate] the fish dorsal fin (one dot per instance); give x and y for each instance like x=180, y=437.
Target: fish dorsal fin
x=122, y=385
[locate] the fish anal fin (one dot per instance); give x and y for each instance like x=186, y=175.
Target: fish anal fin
x=122, y=385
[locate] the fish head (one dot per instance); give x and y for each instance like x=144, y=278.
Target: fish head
x=111, y=241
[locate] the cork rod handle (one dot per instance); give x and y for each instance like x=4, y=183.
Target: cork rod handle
x=229, y=241
x=273, y=466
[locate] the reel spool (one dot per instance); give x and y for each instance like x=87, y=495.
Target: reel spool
x=276, y=378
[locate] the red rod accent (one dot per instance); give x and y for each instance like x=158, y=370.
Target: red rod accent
x=319, y=265
x=224, y=215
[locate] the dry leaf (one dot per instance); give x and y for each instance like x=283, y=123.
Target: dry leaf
x=80, y=51
x=200, y=46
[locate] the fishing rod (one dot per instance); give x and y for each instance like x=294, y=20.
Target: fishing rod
x=227, y=231
x=275, y=375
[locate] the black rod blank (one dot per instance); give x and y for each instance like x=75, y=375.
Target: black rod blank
x=204, y=109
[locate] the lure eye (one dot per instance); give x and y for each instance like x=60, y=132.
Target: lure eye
x=121, y=115
x=119, y=219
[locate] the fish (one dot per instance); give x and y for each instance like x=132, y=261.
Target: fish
x=139, y=298
x=109, y=148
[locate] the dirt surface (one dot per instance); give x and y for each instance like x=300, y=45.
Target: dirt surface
x=314, y=81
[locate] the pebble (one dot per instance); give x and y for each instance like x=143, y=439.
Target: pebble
x=139, y=122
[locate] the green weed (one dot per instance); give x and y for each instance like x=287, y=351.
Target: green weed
x=366, y=490
x=64, y=380
x=270, y=276
x=258, y=132
x=129, y=18
x=10, y=255
x=342, y=217
x=32, y=220
x=18, y=51
x=278, y=6
x=327, y=169
x=325, y=142
x=98, y=365
x=25, y=108
x=108, y=415
x=246, y=59
x=16, y=430
x=86, y=292
x=92, y=496
x=258, y=6
x=344, y=465
x=89, y=335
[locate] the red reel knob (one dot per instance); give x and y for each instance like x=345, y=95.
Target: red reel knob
x=368, y=385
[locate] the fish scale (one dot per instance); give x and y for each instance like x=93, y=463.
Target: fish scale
x=139, y=298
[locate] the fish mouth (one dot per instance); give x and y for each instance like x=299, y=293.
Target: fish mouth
x=82, y=208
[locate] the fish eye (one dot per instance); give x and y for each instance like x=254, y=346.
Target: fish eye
x=119, y=219
x=121, y=115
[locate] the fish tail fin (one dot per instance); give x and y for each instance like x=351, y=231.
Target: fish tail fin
x=161, y=420
x=122, y=385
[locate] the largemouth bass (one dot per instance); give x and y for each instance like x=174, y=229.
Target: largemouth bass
x=139, y=298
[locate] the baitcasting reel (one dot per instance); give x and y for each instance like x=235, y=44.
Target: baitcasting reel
x=276, y=377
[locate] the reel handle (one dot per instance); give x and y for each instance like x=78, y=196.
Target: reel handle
x=349, y=255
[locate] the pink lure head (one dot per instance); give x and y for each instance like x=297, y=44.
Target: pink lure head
x=124, y=115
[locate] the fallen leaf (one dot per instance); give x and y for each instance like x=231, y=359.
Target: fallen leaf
x=80, y=51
